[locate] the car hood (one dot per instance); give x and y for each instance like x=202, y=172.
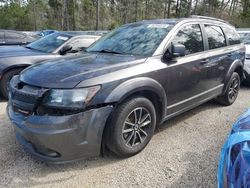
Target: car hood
x=15, y=51
x=67, y=72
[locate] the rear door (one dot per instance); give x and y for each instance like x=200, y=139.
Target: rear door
x=234, y=50
x=217, y=53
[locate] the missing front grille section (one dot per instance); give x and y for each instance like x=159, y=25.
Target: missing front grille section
x=43, y=111
x=25, y=99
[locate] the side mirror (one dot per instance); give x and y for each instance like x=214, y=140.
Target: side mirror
x=65, y=49
x=175, y=50
x=178, y=50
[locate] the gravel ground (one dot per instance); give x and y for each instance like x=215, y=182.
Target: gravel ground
x=184, y=152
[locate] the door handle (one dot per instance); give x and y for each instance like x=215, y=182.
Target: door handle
x=230, y=54
x=204, y=61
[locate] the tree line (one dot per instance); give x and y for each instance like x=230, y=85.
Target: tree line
x=108, y=14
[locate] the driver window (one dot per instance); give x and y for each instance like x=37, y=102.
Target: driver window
x=191, y=37
x=80, y=44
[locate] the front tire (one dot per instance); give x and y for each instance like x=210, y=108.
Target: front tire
x=5, y=81
x=232, y=91
x=131, y=127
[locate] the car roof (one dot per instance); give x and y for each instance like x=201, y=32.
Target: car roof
x=177, y=20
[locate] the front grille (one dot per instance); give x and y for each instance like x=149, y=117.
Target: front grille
x=24, y=98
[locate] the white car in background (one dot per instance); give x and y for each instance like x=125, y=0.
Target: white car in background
x=245, y=36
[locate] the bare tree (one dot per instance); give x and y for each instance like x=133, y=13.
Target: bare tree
x=195, y=6
x=136, y=9
x=189, y=8
x=65, y=15
x=177, y=8
x=97, y=14
x=169, y=8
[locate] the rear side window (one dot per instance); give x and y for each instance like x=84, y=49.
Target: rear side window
x=82, y=42
x=190, y=36
x=233, y=37
x=215, y=36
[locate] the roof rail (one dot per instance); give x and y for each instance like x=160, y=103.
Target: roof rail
x=207, y=17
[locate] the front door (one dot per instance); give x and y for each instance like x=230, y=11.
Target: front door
x=187, y=75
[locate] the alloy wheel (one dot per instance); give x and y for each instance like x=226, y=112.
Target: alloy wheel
x=136, y=127
x=233, y=89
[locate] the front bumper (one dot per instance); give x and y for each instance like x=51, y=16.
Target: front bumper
x=60, y=139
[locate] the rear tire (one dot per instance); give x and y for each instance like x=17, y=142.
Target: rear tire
x=130, y=127
x=6, y=79
x=232, y=90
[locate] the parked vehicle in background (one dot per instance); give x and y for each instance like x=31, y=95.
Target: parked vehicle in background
x=245, y=36
x=126, y=83
x=14, y=59
x=10, y=37
x=234, y=166
x=46, y=32
x=33, y=34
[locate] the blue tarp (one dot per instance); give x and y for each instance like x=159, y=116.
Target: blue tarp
x=234, y=165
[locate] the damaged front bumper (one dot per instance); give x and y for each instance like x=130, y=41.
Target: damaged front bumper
x=60, y=139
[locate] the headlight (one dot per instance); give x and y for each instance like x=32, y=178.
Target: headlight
x=70, y=98
x=247, y=56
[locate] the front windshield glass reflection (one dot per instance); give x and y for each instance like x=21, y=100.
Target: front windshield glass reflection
x=133, y=39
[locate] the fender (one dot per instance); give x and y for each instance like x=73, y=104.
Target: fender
x=134, y=85
x=236, y=64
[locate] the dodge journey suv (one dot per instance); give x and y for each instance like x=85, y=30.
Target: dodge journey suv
x=114, y=94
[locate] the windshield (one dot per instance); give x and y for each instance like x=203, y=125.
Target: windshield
x=49, y=43
x=245, y=37
x=135, y=39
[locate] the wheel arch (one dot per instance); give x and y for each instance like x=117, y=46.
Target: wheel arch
x=19, y=66
x=236, y=66
x=146, y=87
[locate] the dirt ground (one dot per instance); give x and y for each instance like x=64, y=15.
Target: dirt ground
x=184, y=152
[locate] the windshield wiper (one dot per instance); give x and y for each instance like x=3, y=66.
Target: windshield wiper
x=28, y=47
x=108, y=51
x=32, y=48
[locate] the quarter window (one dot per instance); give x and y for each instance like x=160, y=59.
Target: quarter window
x=215, y=36
x=233, y=37
x=191, y=37
x=81, y=43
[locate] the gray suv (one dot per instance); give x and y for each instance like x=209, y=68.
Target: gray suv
x=114, y=95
